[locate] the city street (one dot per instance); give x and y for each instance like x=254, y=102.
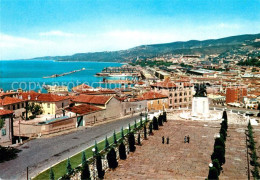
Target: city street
x=39, y=154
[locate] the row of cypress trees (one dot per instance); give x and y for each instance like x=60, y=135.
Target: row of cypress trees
x=111, y=154
x=218, y=155
x=253, y=155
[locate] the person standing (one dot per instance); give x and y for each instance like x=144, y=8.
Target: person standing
x=188, y=139
x=185, y=139
x=167, y=140
x=163, y=139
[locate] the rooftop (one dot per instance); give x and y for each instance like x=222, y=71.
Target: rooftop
x=83, y=109
x=91, y=99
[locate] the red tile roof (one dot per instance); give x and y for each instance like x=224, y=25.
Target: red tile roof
x=5, y=112
x=81, y=88
x=10, y=100
x=91, y=99
x=164, y=84
x=83, y=109
x=152, y=95
x=34, y=96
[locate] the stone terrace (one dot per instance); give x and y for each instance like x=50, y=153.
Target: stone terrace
x=177, y=160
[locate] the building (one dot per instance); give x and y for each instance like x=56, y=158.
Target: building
x=50, y=103
x=6, y=127
x=179, y=93
x=235, y=94
x=155, y=101
x=15, y=104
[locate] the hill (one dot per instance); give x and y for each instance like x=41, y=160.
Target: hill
x=205, y=47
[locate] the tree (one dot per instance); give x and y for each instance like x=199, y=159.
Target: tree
x=122, y=152
x=219, y=153
x=131, y=141
x=135, y=124
x=145, y=132
x=8, y=153
x=96, y=147
x=35, y=109
x=69, y=168
x=160, y=120
x=111, y=158
x=100, y=170
x=216, y=164
x=83, y=158
x=164, y=117
x=129, y=128
x=150, y=128
x=51, y=177
x=85, y=173
x=224, y=116
x=122, y=133
x=139, y=139
x=114, y=137
x=213, y=173
x=106, y=143
x=155, y=123
x=219, y=142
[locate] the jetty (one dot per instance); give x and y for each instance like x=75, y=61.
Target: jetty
x=118, y=71
x=64, y=74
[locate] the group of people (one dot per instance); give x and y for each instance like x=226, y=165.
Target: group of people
x=187, y=139
x=167, y=140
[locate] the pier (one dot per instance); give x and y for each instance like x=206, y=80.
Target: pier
x=64, y=74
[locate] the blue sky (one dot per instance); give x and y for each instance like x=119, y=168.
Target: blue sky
x=31, y=28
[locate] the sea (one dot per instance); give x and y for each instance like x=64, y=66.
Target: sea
x=28, y=74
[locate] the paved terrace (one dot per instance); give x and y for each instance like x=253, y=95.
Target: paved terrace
x=177, y=160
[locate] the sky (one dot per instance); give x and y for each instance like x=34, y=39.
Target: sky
x=35, y=28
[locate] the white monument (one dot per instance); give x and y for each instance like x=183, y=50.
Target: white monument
x=200, y=107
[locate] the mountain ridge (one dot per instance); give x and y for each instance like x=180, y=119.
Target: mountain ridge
x=198, y=47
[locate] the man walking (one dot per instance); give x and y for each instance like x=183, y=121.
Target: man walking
x=185, y=139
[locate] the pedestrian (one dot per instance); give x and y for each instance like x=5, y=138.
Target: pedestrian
x=188, y=139
x=167, y=140
x=185, y=139
x=163, y=139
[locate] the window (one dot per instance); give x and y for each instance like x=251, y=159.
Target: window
x=13, y=107
x=185, y=99
x=158, y=102
x=180, y=100
x=175, y=101
x=48, y=105
x=18, y=106
x=22, y=105
x=181, y=94
x=62, y=105
x=175, y=95
x=170, y=101
x=3, y=132
x=170, y=94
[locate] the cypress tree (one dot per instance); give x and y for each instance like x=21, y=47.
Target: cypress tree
x=100, y=170
x=83, y=158
x=216, y=164
x=219, y=153
x=155, y=123
x=114, y=137
x=160, y=121
x=131, y=141
x=122, y=133
x=141, y=122
x=106, y=143
x=85, y=173
x=145, y=132
x=139, y=139
x=51, y=177
x=135, y=125
x=219, y=142
x=122, y=152
x=213, y=173
x=96, y=147
x=150, y=128
x=224, y=116
x=111, y=158
x=129, y=128
x=164, y=117
x=69, y=168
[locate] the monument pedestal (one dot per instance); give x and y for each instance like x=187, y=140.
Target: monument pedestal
x=200, y=107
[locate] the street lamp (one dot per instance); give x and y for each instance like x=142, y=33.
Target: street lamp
x=94, y=152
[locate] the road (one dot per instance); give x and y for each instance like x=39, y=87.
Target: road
x=39, y=154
